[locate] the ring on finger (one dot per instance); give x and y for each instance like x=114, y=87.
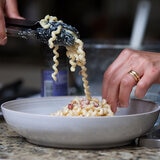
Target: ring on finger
x=135, y=75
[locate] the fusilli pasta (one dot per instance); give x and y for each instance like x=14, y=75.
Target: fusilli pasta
x=87, y=106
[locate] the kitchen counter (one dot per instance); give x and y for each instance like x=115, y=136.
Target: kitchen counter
x=15, y=147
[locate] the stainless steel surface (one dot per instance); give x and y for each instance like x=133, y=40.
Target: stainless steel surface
x=151, y=139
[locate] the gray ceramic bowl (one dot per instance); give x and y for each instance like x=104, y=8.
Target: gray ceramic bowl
x=31, y=118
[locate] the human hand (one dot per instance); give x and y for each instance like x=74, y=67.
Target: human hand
x=118, y=83
x=8, y=8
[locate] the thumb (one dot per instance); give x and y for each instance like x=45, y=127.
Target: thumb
x=11, y=9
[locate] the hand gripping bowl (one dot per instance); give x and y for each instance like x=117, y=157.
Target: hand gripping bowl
x=31, y=118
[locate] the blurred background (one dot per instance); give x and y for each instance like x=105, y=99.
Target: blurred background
x=97, y=18
x=107, y=21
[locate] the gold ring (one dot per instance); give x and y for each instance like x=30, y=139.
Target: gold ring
x=135, y=75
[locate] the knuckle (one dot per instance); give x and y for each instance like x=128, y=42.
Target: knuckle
x=125, y=82
x=114, y=81
x=126, y=51
x=107, y=74
x=142, y=86
x=155, y=70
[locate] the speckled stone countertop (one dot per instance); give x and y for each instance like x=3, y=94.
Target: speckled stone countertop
x=15, y=147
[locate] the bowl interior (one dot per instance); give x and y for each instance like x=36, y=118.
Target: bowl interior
x=48, y=105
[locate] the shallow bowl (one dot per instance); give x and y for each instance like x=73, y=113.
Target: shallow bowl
x=31, y=119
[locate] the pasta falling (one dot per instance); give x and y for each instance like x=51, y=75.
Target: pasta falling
x=87, y=106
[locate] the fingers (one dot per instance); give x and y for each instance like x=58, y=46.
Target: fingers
x=151, y=74
x=118, y=81
x=11, y=8
x=112, y=79
x=146, y=81
x=117, y=88
x=8, y=8
x=110, y=93
x=126, y=85
x=3, y=37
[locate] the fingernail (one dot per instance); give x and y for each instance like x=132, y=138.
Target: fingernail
x=3, y=41
x=114, y=110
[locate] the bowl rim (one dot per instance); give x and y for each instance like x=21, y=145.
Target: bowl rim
x=7, y=104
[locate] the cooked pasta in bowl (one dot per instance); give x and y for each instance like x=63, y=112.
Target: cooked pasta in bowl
x=85, y=108
x=32, y=119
